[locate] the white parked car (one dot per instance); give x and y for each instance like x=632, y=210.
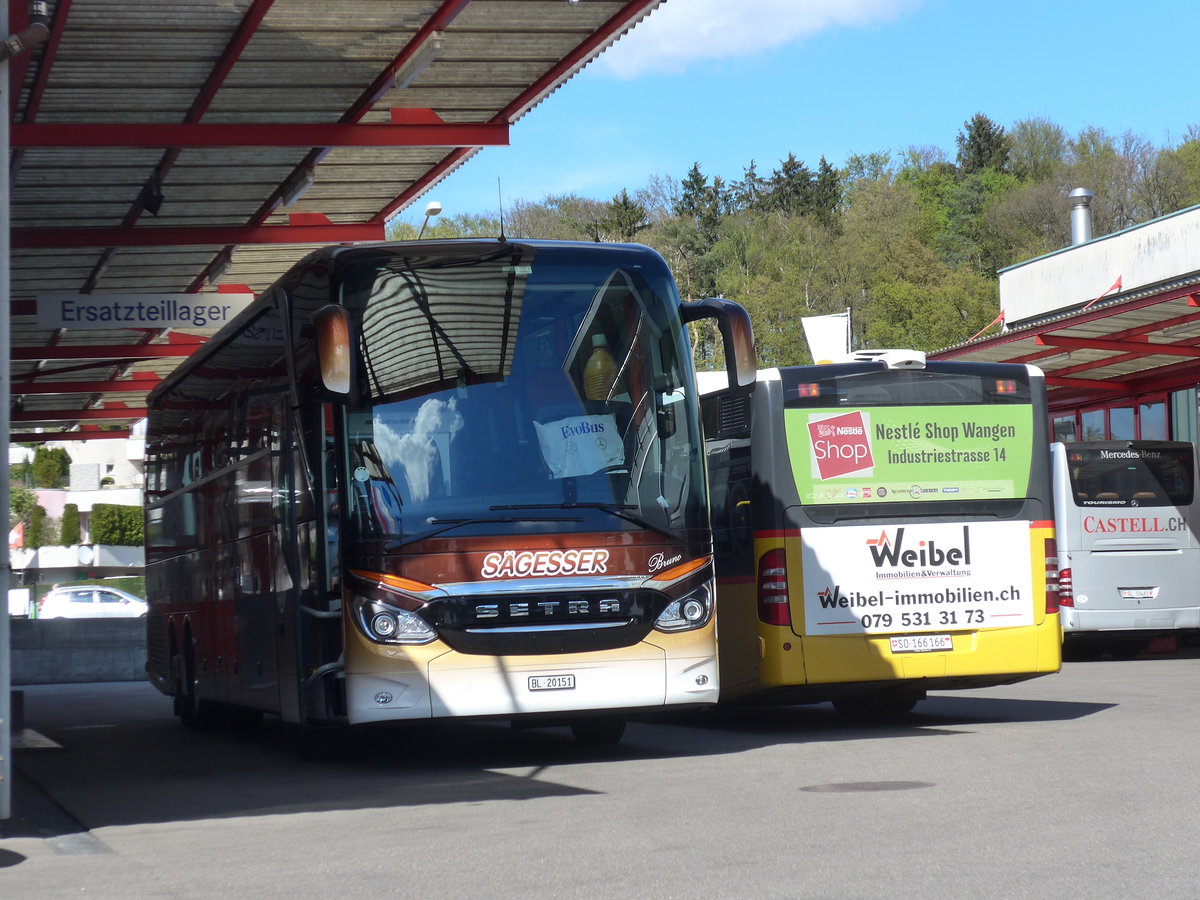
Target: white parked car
x=89, y=601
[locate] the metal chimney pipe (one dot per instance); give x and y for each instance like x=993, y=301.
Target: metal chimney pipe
x=1081, y=215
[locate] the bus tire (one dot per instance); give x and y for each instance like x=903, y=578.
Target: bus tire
x=598, y=730
x=876, y=706
x=192, y=711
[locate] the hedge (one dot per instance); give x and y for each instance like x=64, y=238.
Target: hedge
x=116, y=525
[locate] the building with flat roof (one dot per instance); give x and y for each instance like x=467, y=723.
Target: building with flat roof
x=1114, y=321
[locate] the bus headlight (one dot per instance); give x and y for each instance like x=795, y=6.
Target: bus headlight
x=387, y=624
x=691, y=611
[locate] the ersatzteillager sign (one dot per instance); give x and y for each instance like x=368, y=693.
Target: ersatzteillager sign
x=95, y=312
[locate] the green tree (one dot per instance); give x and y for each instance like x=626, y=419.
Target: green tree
x=21, y=502
x=982, y=144
x=70, y=525
x=875, y=166
x=1039, y=149
x=790, y=188
x=566, y=217
x=751, y=191
x=21, y=474
x=623, y=218
x=826, y=194
x=35, y=530
x=462, y=225
x=51, y=467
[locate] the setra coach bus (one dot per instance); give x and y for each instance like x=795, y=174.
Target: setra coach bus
x=438, y=479
x=883, y=528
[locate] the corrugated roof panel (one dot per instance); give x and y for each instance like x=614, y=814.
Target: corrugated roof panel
x=128, y=62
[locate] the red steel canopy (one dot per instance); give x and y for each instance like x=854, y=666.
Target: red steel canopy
x=1118, y=346
x=218, y=112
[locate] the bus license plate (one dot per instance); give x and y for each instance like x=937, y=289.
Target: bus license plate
x=1138, y=593
x=552, y=682
x=922, y=643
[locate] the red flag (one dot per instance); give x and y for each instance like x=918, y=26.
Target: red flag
x=999, y=318
x=1116, y=286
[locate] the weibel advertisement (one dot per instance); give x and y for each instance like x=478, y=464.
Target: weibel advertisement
x=938, y=577
x=905, y=453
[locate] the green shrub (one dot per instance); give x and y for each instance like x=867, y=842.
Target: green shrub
x=70, y=525
x=37, y=524
x=116, y=525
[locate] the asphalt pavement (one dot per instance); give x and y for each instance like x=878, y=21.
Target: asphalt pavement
x=1080, y=784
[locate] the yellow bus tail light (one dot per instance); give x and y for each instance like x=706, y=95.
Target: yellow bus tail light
x=1054, y=579
x=773, y=602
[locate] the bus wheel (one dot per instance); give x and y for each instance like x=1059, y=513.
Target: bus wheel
x=597, y=730
x=876, y=706
x=192, y=711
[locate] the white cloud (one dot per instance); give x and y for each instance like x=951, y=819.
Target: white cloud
x=683, y=32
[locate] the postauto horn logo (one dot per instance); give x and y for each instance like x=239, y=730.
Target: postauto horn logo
x=841, y=445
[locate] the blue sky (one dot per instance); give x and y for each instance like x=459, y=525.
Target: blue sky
x=722, y=82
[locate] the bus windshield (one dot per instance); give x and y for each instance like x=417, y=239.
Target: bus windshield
x=860, y=436
x=538, y=388
x=1128, y=475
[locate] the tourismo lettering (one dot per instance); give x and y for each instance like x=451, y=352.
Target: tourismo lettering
x=544, y=563
x=840, y=445
x=1132, y=524
x=885, y=551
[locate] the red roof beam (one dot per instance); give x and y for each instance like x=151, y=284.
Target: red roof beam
x=1093, y=384
x=216, y=236
x=42, y=437
x=83, y=387
x=77, y=415
x=1139, y=348
x=189, y=135
x=1020, y=333
x=17, y=19
x=530, y=97
x=123, y=353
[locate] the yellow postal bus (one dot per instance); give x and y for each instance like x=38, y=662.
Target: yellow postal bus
x=883, y=528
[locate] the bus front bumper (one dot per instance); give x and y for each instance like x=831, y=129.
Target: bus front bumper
x=456, y=684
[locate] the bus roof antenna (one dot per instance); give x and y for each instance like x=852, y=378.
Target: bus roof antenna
x=500, y=200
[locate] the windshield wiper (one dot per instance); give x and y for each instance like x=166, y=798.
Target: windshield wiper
x=440, y=525
x=620, y=510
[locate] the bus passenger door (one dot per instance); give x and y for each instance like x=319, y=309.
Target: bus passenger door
x=311, y=689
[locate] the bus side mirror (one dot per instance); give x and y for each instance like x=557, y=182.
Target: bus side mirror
x=334, y=349
x=737, y=337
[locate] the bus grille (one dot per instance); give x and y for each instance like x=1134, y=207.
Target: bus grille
x=533, y=623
